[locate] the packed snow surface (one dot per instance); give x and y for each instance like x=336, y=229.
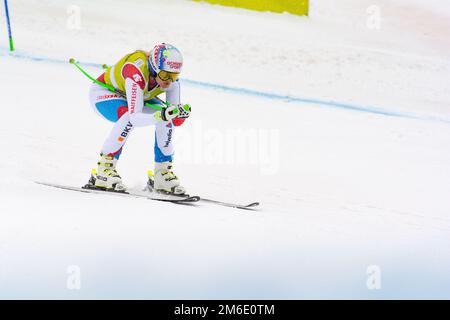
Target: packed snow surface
x=338, y=123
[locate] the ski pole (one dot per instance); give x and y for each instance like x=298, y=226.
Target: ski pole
x=11, y=45
x=111, y=88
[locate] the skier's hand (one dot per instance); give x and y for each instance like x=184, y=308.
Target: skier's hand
x=174, y=111
x=170, y=112
x=184, y=111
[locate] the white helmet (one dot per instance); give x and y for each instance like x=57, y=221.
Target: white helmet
x=165, y=57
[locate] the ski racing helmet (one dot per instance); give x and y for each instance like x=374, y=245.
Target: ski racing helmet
x=166, y=61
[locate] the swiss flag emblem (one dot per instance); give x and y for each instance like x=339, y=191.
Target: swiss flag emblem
x=132, y=72
x=137, y=77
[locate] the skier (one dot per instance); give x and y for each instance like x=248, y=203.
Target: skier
x=141, y=76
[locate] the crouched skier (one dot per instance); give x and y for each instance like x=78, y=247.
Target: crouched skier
x=141, y=76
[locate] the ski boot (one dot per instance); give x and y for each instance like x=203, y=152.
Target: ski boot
x=106, y=177
x=164, y=180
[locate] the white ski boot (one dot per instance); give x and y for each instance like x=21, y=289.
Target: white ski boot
x=164, y=180
x=107, y=176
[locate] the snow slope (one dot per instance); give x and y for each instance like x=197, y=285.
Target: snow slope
x=341, y=131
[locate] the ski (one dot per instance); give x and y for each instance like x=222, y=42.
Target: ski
x=157, y=196
x=160, y=197
x=250, y=206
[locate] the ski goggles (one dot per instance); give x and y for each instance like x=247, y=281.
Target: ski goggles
x=166, y=75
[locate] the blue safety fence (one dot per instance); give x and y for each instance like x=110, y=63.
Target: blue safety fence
x=254, y=93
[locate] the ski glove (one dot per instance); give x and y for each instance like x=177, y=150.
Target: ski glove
x=175, y=111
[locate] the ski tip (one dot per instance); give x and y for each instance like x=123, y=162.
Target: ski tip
x=252, y=205
x=72, y=60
